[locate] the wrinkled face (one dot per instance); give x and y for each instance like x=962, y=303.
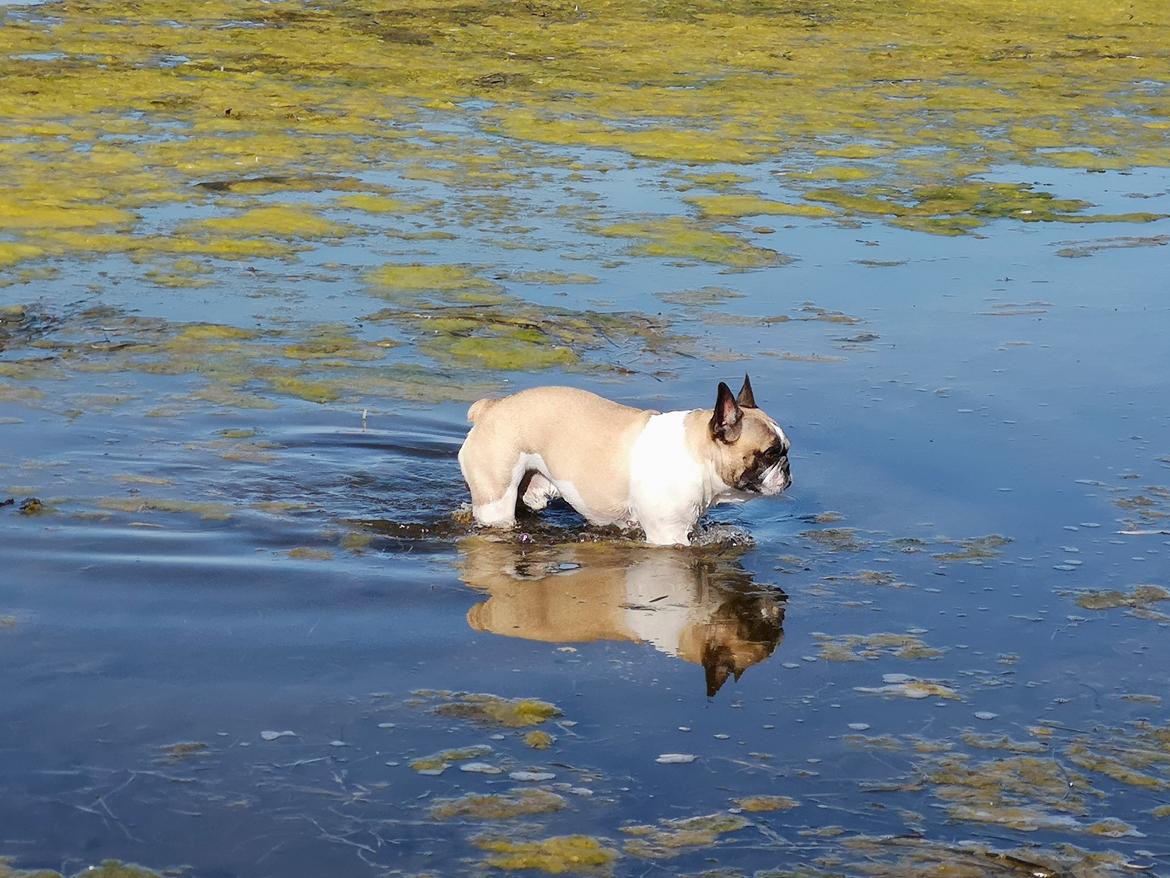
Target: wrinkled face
x=756, y=462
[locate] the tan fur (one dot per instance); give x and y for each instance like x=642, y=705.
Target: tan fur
x=583, y=438
x=531, y=595
x=730, y=460
x=479, y=407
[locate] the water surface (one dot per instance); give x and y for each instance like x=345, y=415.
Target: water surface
x=242, y=611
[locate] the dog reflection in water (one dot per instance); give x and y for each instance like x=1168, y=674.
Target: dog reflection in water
x=698, y=607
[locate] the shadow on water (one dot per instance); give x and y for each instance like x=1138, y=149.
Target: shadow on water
x=697, y=605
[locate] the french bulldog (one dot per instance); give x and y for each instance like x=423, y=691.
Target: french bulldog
x=702, y=608
x=618, y=465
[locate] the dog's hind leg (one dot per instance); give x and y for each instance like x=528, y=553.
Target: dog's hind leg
x=536, y=491
x=493, y=485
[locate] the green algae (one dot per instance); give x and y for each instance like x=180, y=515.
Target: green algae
x=976, y=549
x=670, y=838
x=556, y=855
x=511, y=334
x=627, y=96
x=308, y=553
x=912, y=856
x=209, y=511
x=420, y=278
x=903, y=686
x=538, y=739
x=377, y=204
x=732, y=205
x=701, y=297
x=552, y=278
x=490, y=709
x=499, y=806
x=1141, y=597
x=765, y=804
x=837, y=539
x=859, y=647
x=510, y=354
x=1025, y=793
x=107, y=869
x=1082, y=249
x=1124, y=769
x=333, y=346
x=182, y=750
x=11, y=253
x=439, y=762
x=316, y=362
x=278, y=221
x=679, y=238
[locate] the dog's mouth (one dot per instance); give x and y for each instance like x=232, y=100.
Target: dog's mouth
x=768, y=481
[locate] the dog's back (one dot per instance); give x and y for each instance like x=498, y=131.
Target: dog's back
x=576, y=439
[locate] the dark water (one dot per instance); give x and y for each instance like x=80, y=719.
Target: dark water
x=987, y=440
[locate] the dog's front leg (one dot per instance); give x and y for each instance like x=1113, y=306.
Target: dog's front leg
x=667, y=531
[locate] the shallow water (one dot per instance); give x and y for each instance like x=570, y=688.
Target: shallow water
x=245, y=608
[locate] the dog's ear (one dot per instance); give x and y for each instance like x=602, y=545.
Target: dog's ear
x=746, y=398
x=718, y=665
x=726, y=422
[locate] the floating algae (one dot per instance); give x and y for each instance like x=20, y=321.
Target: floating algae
x=916, y=857
x=416, y=279
x=490, y=709
x=762, y=804
x=1140, y=598
x=317, y=362
x=107, y=869
x=439, y=762
x=905, y=686
x=538, y=739
x=976, y=549
x=207, y=510
x=556, y=855
x=857, y=647
x=182, y=750
x=275, y=93
x=669, y=838
x=521, y=802
x=731, y=205
x=679, y=238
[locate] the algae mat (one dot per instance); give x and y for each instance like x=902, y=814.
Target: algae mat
x=113, y=112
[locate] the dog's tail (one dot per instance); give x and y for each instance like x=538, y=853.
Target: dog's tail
x=479, y=407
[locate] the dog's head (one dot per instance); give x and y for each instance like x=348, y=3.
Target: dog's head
x=747, y=448
x=742, y=632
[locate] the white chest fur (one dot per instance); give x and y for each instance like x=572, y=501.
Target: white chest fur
x=669, y=487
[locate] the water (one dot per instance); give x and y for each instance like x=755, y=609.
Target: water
x=932, y=651
x=1008, y=391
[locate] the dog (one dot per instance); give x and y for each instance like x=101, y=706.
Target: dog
x=617, y=465
x=700, y=607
